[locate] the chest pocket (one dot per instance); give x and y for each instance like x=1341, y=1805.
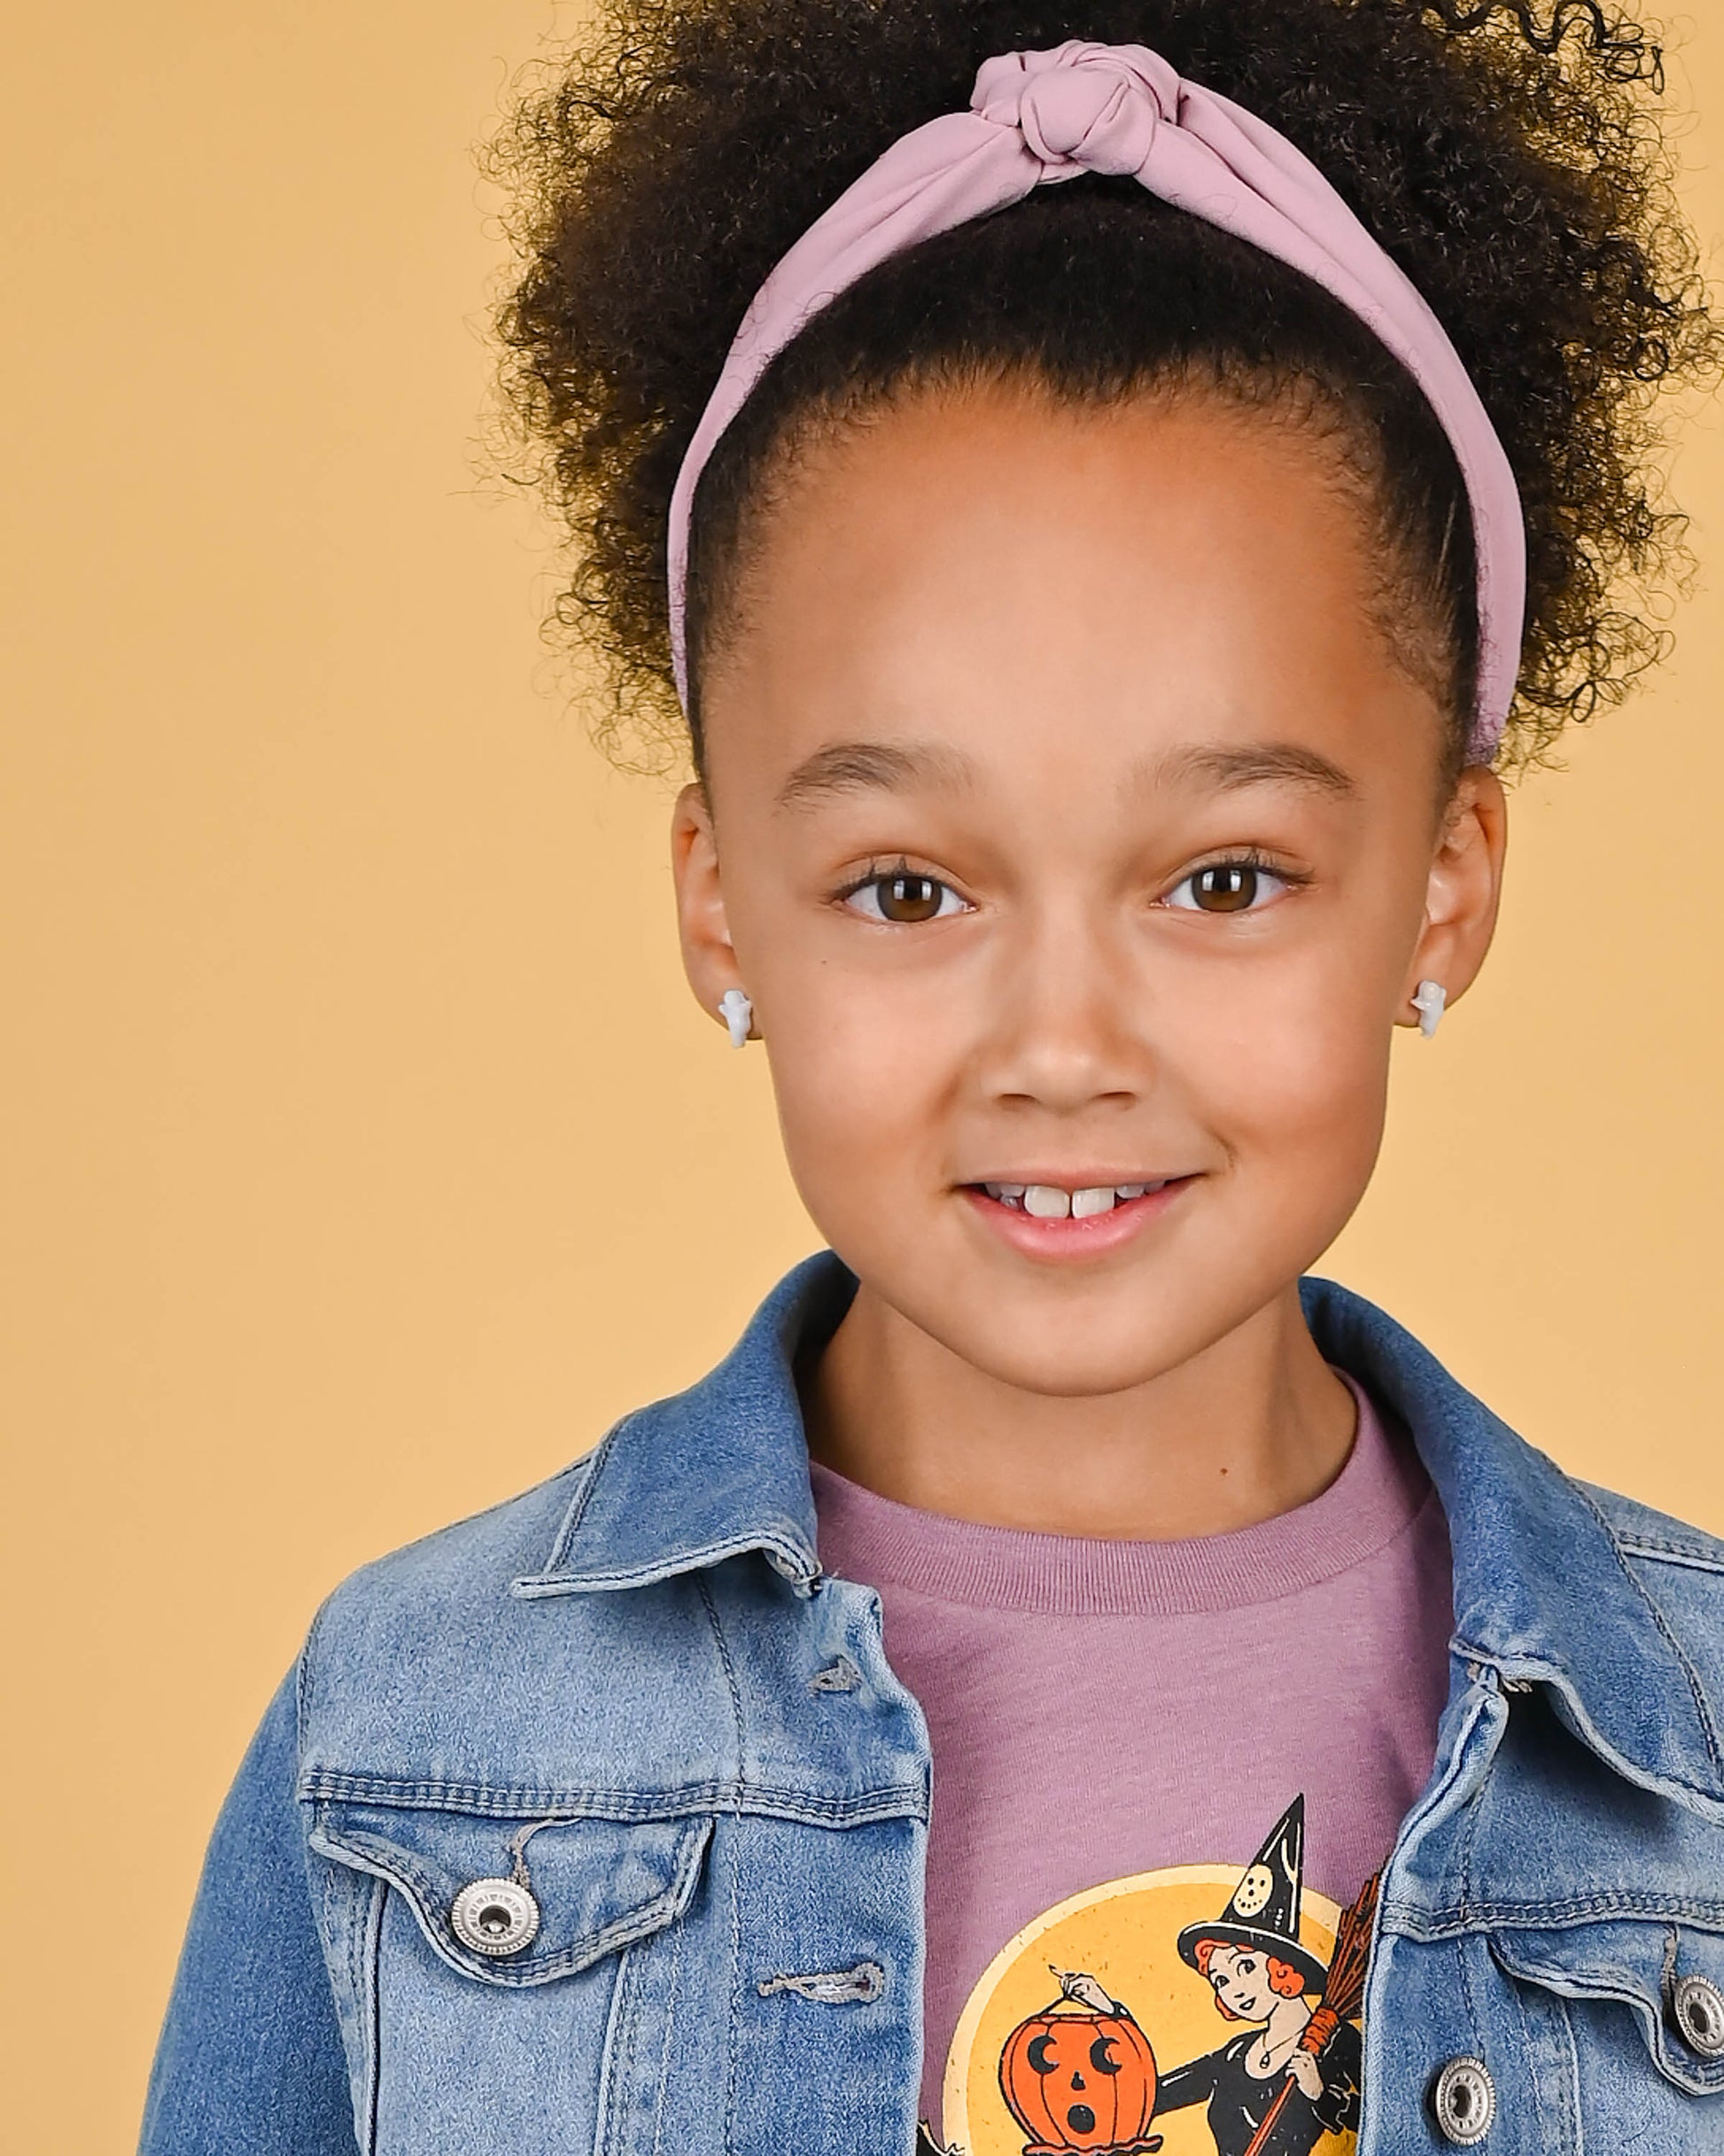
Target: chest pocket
x=551, y=2039
x=1644, y=2003
x=590, y=1885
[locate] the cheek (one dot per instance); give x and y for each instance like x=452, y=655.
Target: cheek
x=1298, y=1064
x=867, y=1071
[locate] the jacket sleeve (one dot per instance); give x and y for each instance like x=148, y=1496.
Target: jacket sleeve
x=250, y=2062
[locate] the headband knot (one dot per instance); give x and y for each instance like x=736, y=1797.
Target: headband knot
x=1079, y=105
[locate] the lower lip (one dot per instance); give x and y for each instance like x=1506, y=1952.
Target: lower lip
x=1090, y=1237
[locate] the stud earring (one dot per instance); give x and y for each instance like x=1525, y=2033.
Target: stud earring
x=1428, y=1001
x=738, y=1014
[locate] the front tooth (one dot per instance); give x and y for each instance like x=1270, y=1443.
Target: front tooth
x=1046, y=1203
x=1085, y=1203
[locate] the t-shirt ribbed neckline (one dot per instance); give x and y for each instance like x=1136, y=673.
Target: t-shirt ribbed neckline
x=1381, y=1489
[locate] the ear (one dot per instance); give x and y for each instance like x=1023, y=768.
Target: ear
x=707, y=958
x=1464, y=889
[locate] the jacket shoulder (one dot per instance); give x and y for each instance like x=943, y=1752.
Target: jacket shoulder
x=1657, y=1537
x=415, y=1658
x=1679, y=1568
x=470, y=1557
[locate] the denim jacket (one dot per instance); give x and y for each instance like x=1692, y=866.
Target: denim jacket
x=634, y=1693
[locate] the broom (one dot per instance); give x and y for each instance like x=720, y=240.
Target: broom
x=1343, y=1994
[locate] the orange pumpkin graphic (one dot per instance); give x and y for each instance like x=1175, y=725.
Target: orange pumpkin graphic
x=1081, y=2076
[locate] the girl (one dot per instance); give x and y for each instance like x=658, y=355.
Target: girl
x=1106, y=494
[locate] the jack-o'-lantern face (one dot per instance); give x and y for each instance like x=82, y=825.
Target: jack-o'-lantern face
x=1077, y=2079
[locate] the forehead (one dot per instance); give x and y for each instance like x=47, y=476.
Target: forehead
x=1054, y=591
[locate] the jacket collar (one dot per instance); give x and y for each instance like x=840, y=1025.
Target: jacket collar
x=714, y=1471
x=1542, y=1593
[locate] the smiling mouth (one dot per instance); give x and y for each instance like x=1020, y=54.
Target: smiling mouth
x=1054, y=1201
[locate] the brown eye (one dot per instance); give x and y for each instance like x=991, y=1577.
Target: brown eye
x=904, y=898
x=1229, y=888
x=1226, y=887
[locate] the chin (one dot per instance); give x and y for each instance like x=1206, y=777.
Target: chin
x=1065, y=1353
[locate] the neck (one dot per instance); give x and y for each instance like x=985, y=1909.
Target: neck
x=1286, y=2024
x=1252, y=1426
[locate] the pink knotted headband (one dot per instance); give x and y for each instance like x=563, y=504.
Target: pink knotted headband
x=1038, y=117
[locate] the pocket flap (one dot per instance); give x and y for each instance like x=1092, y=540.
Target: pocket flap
x=1639, y=1963
x=598, y=1884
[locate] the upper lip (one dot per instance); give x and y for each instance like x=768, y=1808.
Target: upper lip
x=1077, y=1179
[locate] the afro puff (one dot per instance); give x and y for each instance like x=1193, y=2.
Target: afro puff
x=1504, y=155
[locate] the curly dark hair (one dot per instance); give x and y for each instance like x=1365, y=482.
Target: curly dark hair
x=1504, y=154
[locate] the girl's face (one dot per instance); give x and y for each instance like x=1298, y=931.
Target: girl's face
x=1240, y=1981
x=1074, y=829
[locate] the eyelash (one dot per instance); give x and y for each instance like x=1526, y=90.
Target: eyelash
x=877, y=875
x=1249, y=860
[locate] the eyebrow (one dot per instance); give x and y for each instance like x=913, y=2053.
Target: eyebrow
x=856, y=766
x=1258, y=763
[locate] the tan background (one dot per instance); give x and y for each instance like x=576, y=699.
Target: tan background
x=364, y=1154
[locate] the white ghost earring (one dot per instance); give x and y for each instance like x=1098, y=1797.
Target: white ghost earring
x=1428, y=1001
x=738, y=1014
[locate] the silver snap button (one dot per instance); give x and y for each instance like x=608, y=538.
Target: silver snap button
x=1697, y=2007
x=1464, y=2100
x=494, y=1915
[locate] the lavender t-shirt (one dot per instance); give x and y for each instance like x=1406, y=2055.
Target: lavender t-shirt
x=1161, y=1771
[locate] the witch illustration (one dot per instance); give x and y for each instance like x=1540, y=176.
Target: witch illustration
x=1294, y=2075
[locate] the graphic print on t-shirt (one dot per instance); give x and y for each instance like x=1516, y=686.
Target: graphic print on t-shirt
x=1093, y=2032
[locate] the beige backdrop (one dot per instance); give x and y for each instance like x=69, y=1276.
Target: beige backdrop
x=364, y=1152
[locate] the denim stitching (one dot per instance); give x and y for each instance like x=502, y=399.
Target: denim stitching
x=1570, y=2095
x=384, y=1860
x=1528, y=2047
x=1658, y=1616
x=630, y=1975
x=369, y=1993
x=672, y=1945
x=731, y=1682
x=589, y=1468
x=735, y=2044
x=1412, y=1921
x=1672, y=1947
x=615, y=2042
x=536, y=1585
x=1571, y=2081
x=350, y=1914
x=1552, y=2004
x=1629, y=1991
x=622, y=1807
x=1475, y=2024
x=1671, y=1552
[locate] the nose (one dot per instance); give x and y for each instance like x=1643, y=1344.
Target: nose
x=1067, y=1023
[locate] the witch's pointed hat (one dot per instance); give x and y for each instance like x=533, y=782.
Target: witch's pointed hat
x=1263, y=1914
